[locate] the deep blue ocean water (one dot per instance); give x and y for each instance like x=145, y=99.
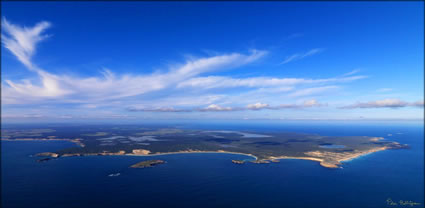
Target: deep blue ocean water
x=211, y=180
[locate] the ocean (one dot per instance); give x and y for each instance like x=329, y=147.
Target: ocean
x=211, y=180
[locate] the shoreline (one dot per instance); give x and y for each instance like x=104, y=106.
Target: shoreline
x=327, y=163
x=364, y=154
x=333, y=163
x=173, y=153
x=75, y=141
x=320, y=160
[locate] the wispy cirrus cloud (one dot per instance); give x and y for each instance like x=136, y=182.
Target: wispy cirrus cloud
x=22, y=41
x=386, y=103
x=219, y=108
x=187, y=87
x=162, y=109
x=306, y=104
x=211, y=82
x=312, y=91
x=299, y=56
x=112, y=86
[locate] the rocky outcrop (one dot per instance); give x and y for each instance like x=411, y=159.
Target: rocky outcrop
x=47, y=154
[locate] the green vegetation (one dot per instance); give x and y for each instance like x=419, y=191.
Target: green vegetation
x=266, y=146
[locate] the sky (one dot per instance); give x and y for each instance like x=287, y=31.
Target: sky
x=80, y=61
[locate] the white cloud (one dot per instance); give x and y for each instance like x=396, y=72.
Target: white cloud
x=257, y=106
x=162, y=109
x=182, y=84
x=355, y=71
x=202, y=65
x=211, y=82
x=111, y=86
x=49, y=88
x=311, y=103
x=218, y=108
x=214, y=107
x=386, y=103
x=300, y=56
x=306, y=104
x=312, y=91
x=21, y=41
x=418, y=103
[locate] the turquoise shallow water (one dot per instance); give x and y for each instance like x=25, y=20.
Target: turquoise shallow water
x=211, y=180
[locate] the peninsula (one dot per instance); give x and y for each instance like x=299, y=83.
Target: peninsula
x=263, y=147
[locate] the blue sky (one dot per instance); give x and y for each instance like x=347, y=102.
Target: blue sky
x=212, y=60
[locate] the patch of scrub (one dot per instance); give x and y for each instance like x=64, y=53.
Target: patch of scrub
x=245, y=135
x=332, y=146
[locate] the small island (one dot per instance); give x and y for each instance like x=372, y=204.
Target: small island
x=238, y=161
x=261, y=161
x=147, y=163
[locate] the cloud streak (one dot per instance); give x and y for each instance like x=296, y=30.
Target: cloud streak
x=190, y=86
x=21, y=41
x=312, y=91
x=112, y=86
x=299, y=56
x=211, y=82
x=386, y=103
x=217, y=108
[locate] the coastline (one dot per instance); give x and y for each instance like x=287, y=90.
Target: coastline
x=75, y=141
x=333, y=163
x=324, y=162
x=188, y=152
x=325, y=159
x=365, y=153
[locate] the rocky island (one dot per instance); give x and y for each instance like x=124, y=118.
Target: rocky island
x=147, y=164
x=238, y=161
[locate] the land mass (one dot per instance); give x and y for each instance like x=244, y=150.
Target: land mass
x=263, y=147
x=147, y=163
